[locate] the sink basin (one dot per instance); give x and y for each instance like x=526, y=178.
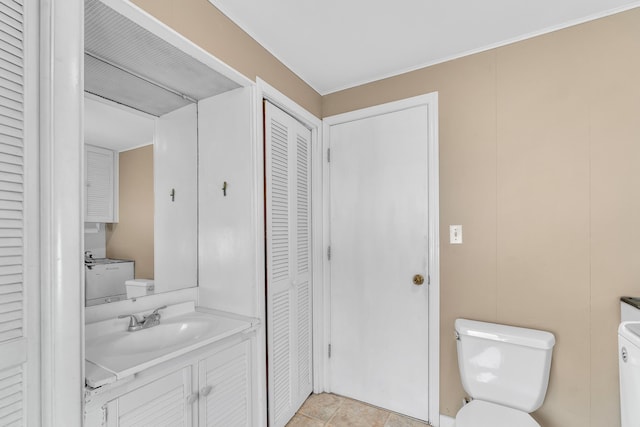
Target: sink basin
x=165, y=335
x=125, y=353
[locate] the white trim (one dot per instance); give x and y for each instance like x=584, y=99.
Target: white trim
x=283, y=102
x=259, y=347
x=110, y=103
x=258, y=207
x=431, y=101
x=486, y=48
x=135, y=147
x=61, y=172
x=150, y=23
x=434, y=258
x=326, y=243
x=264, y=91
x=592, y=17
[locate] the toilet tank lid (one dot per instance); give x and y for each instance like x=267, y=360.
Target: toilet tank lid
x=507, y=334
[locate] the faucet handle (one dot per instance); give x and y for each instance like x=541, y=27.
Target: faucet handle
x=158, y=309
x=134, y=323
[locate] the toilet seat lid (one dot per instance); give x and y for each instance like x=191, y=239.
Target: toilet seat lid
x=485, y=414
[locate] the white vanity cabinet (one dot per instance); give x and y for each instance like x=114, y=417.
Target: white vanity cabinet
x=101, y=185
x=225, y=388
x=211, y=387
x=163, y=402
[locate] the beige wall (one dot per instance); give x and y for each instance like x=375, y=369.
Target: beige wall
x=132, y=236
x=205, y=25
x=540, y=162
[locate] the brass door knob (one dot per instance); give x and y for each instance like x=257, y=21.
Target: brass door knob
x=418, y=279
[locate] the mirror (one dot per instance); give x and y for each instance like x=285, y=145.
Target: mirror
x=129, y=135
x=141, y=201
x=136, y=71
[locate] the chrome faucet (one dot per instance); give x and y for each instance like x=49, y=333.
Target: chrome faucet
x=152, y=319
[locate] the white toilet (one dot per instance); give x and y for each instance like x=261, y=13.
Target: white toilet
x=139, y=287
x=505, y=370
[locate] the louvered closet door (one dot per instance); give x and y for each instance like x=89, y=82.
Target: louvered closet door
x=15, y=152
x=288, y=182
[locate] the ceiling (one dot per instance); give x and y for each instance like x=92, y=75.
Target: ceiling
x=337, y=44
x=115, y=127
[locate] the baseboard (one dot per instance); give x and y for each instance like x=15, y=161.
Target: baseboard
x=446, y=421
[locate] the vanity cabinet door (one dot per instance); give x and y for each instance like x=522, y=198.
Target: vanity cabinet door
x=225, y=388
x=164, y=402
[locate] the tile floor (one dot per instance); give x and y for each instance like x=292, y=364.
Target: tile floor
x=331, y=410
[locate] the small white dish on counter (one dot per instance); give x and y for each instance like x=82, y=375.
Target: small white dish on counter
x=182, y=329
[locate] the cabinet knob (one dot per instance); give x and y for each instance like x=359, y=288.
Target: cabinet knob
x=192, y=398
x=206, y=390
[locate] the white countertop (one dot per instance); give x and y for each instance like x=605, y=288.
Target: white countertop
x=113, y=354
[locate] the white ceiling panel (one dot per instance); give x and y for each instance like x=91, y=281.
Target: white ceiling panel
x=115, y=127
x=336, y=44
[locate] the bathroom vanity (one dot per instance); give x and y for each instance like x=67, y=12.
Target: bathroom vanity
x=202, y=365
x=194, y=368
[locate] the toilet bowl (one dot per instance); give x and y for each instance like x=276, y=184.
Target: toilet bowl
x=505, y=370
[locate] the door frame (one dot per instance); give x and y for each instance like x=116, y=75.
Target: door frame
x=431, y=101
x=264, y=91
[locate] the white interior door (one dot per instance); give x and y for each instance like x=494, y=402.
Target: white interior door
x=379, y=241
x=288, y=226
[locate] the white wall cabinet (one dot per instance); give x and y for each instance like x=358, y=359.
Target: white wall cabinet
x=226, y=277
x=212, y=388
x=176, y=200
x=101, y=185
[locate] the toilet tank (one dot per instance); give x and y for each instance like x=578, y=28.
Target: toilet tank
x=503, y=364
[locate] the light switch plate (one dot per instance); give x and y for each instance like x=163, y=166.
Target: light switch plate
x=455, y=234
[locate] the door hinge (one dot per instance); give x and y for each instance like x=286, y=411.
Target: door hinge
x=328, y=155
x=428, y=280
x=104, y=415
x=329, y=351
x=329, y=253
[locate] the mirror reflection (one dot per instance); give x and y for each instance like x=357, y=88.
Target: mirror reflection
x=119, y=232
x=137, y=98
